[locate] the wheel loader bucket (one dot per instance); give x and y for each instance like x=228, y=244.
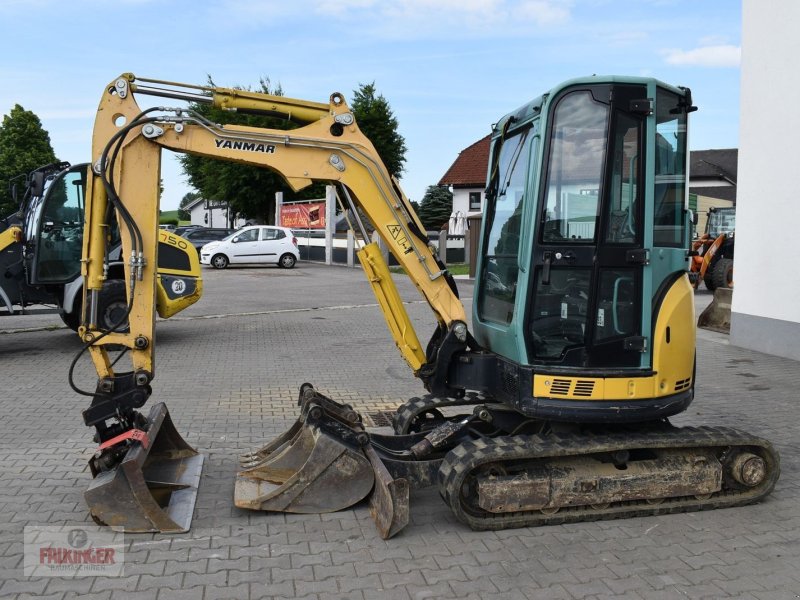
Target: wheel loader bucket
x=154, y=487
x=322, y=463
x=717, y=315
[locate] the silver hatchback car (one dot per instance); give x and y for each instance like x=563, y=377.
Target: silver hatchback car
x=257, y=244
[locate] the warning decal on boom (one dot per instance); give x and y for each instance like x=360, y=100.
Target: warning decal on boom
x=398, y=236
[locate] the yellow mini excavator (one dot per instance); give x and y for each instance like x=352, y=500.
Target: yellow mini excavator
x=582, y=341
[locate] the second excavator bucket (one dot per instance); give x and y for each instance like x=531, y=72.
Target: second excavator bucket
x=323, y=463
x=153, y=488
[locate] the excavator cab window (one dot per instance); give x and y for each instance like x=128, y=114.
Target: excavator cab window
x=670, y=182
x=55, y=228
x=504, y=211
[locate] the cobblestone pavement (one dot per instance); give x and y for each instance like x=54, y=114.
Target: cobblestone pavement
x=231, y=383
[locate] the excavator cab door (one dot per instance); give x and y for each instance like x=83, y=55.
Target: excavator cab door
x=589, y=254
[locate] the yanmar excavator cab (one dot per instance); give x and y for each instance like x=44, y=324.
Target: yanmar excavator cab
x=554, y=406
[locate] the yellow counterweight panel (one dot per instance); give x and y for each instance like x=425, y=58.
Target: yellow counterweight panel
x=168, y=304
x=392, y=305
x=673, y=359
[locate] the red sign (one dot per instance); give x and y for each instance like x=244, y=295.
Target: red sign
x=303, y=216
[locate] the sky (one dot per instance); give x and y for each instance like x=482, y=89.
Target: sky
x=448, y=68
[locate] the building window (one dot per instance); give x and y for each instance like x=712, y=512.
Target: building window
x=474, y=200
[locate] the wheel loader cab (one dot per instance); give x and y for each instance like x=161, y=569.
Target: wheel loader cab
x=581, y=289
x=54, y=222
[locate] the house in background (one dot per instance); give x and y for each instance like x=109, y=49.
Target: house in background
x=712, y=180
x=466, y=177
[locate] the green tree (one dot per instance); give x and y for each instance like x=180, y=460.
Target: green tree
x=375, y=119
x=249, y=190
x=187, y=199
x=436, y=206
x=24, y=146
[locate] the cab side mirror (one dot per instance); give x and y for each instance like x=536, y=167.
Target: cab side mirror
x=36, y=184
x=692, y=217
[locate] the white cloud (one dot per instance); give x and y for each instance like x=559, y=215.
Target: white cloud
x=545, y=12
x=724, y=55
x=412, y=18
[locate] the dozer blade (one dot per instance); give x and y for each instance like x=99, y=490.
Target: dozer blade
x=154, y=487
x=314, y=473
x=389, y=502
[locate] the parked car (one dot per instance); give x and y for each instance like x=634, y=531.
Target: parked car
x=184, y=228
x=255, y=244
x=200, y=236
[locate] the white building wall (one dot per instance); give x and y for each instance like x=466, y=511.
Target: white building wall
x=215, y=217
x=461, y=200
x=766, y=299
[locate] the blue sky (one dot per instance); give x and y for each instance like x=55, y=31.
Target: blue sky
x=449, y=68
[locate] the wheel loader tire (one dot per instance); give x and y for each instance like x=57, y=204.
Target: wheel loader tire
x=723, y=273
x=708, y=278
x=113, y=306
x=72, y=319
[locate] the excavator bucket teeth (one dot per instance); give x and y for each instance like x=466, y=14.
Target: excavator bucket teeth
x=389, y=502
x=308, y=399
x=154, y=487
x=314, y=473
x=253, y=458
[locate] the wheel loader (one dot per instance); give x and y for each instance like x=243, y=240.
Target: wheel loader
x=552, y=407
x=712, y=252
x=40, y=252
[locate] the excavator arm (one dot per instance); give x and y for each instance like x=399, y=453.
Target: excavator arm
x=328, y=147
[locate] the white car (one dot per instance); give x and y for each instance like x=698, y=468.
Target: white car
x=255, y=244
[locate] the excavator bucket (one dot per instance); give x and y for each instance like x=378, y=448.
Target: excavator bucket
x=314, y=473
x=154, y=487
x=323, y=463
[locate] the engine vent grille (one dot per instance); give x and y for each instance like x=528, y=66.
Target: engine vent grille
x=577, y=388
x=560, y=387
x=683, y=384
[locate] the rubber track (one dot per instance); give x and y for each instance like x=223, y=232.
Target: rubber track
x=465, y=458
x=413, y=407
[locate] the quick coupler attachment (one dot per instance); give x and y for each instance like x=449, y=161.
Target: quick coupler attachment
x=146, y=478
x=323, y=463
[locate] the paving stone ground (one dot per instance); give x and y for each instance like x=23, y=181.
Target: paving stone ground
x=231, y=381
